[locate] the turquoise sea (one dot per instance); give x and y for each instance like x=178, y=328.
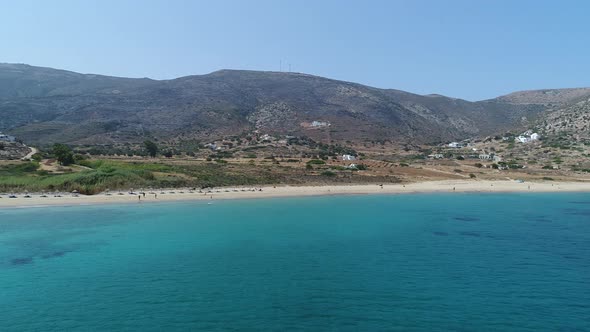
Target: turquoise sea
x=424, y=262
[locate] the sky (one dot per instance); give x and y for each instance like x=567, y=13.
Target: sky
x=473, y=49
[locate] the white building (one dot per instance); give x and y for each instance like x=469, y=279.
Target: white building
x=348, y=157
x=267, y=137
x=320, y=124
x=7, y=138
x=455, y=145
x=526, y=138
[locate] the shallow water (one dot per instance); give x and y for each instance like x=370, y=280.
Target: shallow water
x=437, y=262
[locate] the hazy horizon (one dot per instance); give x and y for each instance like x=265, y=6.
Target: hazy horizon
x=460, y=49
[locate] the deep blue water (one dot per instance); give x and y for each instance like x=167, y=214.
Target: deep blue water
x=445, y=262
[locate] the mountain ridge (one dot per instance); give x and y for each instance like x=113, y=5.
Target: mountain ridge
x=45, y=105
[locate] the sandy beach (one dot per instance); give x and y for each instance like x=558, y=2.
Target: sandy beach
x=165, y=195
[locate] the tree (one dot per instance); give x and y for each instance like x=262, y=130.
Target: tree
x=63, y=154
x=151, y=147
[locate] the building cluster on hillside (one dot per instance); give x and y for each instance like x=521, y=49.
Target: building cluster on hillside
x=7, y=138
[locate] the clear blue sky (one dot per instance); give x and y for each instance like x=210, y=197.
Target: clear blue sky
x=471, y=49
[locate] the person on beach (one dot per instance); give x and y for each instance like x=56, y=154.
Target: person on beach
x=139, y=198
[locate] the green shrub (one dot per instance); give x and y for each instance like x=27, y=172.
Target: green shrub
x=37, y=157
x=338, y=168
x=18, y=169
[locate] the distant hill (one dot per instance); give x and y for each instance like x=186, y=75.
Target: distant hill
x=43, y=105
x=549, y=97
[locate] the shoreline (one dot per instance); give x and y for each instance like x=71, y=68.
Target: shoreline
x=174, y=195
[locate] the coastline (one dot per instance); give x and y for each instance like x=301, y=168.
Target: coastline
x=172, y=195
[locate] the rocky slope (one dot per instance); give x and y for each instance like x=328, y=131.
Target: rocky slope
x=13, y=150
x=572, y=122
